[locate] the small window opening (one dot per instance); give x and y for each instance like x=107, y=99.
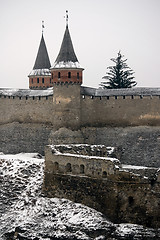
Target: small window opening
x=32, y=80
x=42, y=80
x=46, y=97
x=130, y=200
x=59, y=75
x=56, y=166
x=116, y=97
x=77, y=75
x=68, y=167
x=101, y=154
x=107, y=97
x=33, y=97
x=124, y=97
x=52, y=75
x=39, y=97
x=50, y=80
x=37, y=80
x=104, y=174
x=81, y=168
x=69, y=74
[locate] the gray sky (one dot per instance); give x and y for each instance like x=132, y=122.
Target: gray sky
x=98, y=28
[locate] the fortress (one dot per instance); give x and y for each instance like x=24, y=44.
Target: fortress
x=58, y=110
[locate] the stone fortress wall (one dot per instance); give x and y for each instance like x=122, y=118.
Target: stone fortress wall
x=102, y=116
x=120, y=111
x=25, y=108
x=74, y=109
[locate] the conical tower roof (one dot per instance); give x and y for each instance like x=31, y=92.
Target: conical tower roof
x=66, y=57
x=42, y=63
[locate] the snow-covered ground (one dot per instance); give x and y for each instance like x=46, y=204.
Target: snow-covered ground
x=26, y=214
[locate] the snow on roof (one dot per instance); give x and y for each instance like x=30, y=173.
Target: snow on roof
x=138, y=91
x=25, y=92
x=40, y=72
x=68, y=64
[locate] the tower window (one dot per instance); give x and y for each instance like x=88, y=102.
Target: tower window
x=69, y=74
x=37, y=80
x=59, y=75
x=32, y=80
x=50, y=80
x=78, y=75
x=52, y=75
x=42, y=80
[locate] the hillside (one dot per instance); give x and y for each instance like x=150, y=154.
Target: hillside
x=26, y=214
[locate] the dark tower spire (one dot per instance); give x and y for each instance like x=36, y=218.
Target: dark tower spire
x=66, y=53
x=40, y=76
x=42, y=59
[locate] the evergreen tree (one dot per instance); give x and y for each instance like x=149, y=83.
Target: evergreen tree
x=120, y=75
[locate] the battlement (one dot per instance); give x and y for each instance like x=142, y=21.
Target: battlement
x=137, y=91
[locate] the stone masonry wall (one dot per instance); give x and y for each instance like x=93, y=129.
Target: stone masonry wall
x=23, y=137
x=135, y=145
x=66, y=104
x=122, y=196
x=92, y=166
x=26, y=109
x=120, y=111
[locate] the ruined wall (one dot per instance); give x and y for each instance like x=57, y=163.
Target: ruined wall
x=120, y=195
x=134, y=202
x=92, y=166
x=25, y=109
x=120, y=111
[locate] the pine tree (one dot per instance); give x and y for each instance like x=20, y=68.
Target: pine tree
x=120, y=75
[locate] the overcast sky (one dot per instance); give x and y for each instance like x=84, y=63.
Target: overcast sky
x=98, y=28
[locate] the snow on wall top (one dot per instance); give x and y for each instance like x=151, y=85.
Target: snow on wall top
x=96, y=92
x=138, y=91
x=25, y=92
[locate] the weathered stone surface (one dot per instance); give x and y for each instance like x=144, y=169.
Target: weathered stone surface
x=120, y=201
x=65, y=136
x=16, y=137
x=121, y=195
x=135, y=145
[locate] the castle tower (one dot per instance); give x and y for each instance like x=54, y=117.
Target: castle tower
x=66, y=68
x=66, y=75
x=40, y=76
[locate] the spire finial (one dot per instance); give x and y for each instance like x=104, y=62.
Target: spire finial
x=42, y=26
x=66, y=18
